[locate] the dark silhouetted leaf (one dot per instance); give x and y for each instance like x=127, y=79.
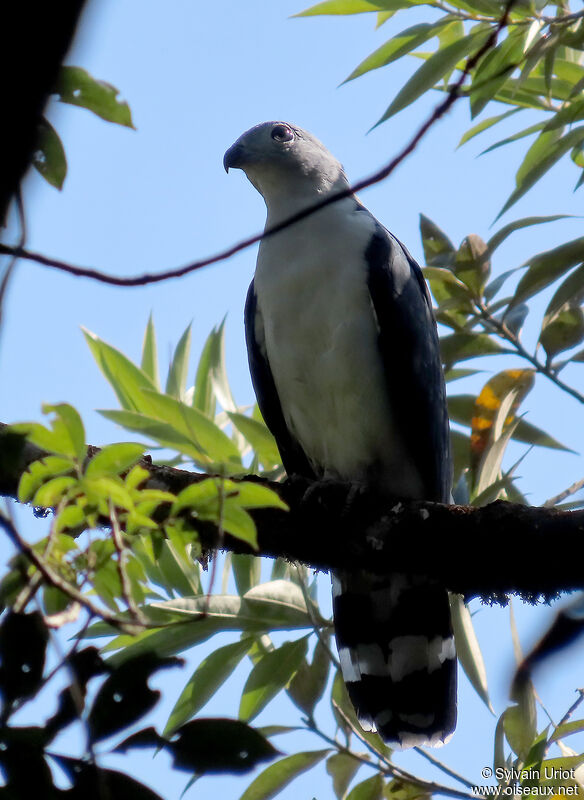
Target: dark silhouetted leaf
x=126, y=696
x=23, y=644
x=219, y=745
x=308, y=685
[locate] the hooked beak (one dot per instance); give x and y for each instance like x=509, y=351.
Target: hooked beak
x=234, y=157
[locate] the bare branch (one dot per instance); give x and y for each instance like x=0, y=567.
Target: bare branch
x=453, y=94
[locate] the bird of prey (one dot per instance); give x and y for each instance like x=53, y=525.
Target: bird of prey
x=345, y=363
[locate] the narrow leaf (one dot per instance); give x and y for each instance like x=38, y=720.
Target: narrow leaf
x=468, y=648
x=433, y=70
x=176, y=383
x=149, y=363
x=209, y=676
x=269, y=676
x=273, y=779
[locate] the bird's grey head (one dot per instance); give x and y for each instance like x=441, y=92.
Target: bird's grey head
x=283, y=161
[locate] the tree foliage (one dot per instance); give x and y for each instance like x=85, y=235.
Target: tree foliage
x=129, y=555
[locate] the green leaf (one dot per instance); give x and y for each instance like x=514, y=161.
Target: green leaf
x=438, y=249
x=269, y=676
x=342, y=7
x=205, y=681
x=218, y=372
x=494, y=69
x=246, y=571
x=547, y=149
x=176, y=383
x=433, y=70
x=275, y=605
x=149, y=363
x=484, y=125
x=563, y=332
x=203, y=398
x=77, y=87
x=40, y=471
x=468, y=649
x=114, y=459
x=308, y=685
x=194, y=426
x=570, y=291
x=525, y=222
x=461, y=346
x=567, y=729
x=125, y=378
x=342, y=768
x=51, y=492
x=49, y=156
x=273, y=779
x=370, y=789
x=68, y=424
x=546, y=267
x=409, y=39
x=70, y=518
x=519, y=721
x=259, y=437
x=531, y=129
x=161, y=432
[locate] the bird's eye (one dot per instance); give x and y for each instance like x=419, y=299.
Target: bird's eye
x=282, y=133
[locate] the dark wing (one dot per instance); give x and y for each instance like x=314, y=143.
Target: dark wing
x=293, y=456
x=408, y=343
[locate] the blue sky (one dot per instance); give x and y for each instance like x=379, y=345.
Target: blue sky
x=196, y=76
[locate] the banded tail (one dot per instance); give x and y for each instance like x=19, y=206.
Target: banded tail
x=397, y=654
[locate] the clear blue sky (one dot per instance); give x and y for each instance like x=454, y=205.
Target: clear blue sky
x=196, y=76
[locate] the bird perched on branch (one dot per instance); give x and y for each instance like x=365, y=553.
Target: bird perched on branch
x=345, y=363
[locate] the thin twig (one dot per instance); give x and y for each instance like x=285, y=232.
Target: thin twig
x=55, y=580
x=437, y=763
x=118, y=540
x=12, y=264
x=575, y=487
x=509, y=336
x=388, y=767
x=454, y=92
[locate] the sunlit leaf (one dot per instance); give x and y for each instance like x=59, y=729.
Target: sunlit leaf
x=499, y=237
x=176, y=383
x=491, y=400
x=369, y=789
x=149, y=363
x=259, y=437
x=468, y=649
x=275, y=777
x=494, y=69
x=485, y=124
x=209, y=676
x=77, y=87
x=547, y=149
x=125, y=378
x=432, y=71
x=114, y=459
x=269, y=676
x=409, y=39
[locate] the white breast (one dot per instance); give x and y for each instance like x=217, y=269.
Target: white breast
x=321, y=341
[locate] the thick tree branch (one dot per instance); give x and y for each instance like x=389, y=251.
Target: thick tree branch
x=503, y=548
x=35, y=35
